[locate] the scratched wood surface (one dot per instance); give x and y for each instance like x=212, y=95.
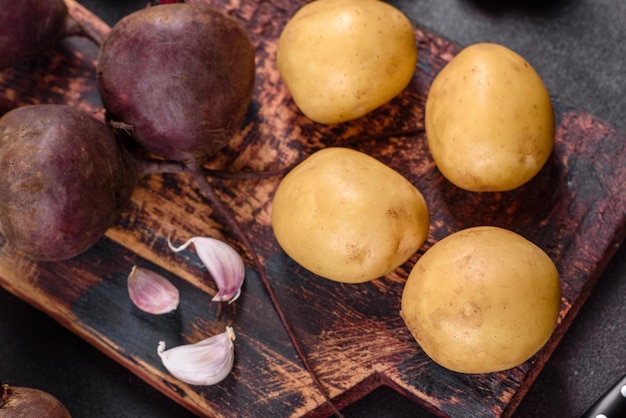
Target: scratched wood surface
x=352, y=334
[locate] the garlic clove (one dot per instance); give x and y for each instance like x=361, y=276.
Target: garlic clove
x=152, y=292
x=223, y=262
x=204, y=363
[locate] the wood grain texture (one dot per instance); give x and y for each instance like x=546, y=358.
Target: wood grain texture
x=574, y=209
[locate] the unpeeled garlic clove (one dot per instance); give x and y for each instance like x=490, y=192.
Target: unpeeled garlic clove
x=152, y=292
x=222, y=261
x=204, y=363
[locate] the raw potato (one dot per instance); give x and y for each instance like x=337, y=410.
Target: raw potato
x=489, y=120
x=481, y=300
x=348, y=217
x=342, y=59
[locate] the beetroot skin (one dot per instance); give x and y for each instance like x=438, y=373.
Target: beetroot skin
x=180, y=77
x=27, y=27
x=64, y=180
x=22, y=402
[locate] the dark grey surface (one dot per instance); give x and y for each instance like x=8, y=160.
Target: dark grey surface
x=579, y=49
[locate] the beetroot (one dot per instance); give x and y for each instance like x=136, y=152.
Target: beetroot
x=180, y=76
x=63, y=180
x=28, y=27
x=22, y=402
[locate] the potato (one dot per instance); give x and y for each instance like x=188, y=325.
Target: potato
x=341, y=59
x=489, y=120
x=347, y=217
x=481, y=300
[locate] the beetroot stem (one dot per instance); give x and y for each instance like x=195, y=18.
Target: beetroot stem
x=244, y=175
x=74, y=28
x=148, y=166
x=233, y=224
x=249, y=175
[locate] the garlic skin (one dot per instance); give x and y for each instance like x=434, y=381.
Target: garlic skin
x=204, y=363
x=151, y=292
x=223, y=263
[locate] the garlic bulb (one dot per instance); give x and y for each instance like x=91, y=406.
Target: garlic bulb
x=223, y=262
x=152, y=292
x=206, y=362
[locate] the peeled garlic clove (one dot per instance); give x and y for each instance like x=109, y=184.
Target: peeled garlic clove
x=152, y=292
x=223, y=262
x=204, y=363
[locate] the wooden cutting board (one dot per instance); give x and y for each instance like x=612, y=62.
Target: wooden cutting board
x=352, y=334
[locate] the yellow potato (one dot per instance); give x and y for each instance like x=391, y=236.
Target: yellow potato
x=346, y=216
x=489, y=120
x=341, y=59
x=481, y=300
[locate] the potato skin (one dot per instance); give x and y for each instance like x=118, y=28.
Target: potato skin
x=348, y=217
x=342, y=59
x=481, y=300
x=489, y=120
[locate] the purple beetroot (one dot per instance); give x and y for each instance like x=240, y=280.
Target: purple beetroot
x=64, y=180
x=179, y=77
x=28, y=27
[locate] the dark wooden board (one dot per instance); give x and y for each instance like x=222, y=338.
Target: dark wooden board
x=352, y=334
